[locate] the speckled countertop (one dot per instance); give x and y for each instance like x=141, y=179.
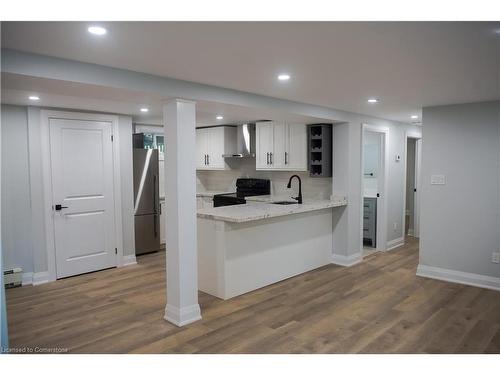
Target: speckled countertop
x=211, y=193
x=255, y=210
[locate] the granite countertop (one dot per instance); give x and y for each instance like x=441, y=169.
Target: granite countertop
x=255, y=210
x=211, y=193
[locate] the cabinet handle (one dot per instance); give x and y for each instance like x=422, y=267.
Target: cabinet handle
x=271, y=157
x=208, y=159
x=267, y=158
x=286, y=157
x=205, y=159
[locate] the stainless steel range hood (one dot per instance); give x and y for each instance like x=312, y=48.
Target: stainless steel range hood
x=245, y=146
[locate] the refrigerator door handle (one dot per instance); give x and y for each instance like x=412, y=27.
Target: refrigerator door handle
x=154, y=194
x=155, y=230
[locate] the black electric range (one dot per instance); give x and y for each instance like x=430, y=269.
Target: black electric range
x=245, y=187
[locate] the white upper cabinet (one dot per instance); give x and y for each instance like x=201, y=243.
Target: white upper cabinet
x=281, y=146
x=211, y=144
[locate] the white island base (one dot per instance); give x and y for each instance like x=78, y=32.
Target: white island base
x=237, y=257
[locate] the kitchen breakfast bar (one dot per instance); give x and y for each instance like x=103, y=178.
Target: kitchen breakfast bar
x=246, y=247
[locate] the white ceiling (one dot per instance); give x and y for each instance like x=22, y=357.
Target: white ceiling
x=62, y=94
x=334, y=64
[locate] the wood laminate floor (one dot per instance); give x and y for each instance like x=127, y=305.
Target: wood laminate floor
x=378, y=306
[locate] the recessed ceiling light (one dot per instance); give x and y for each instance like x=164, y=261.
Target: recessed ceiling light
x=219, y=117
x=97, y=30
x=144, y=110
x=284, y=77
x=373, y=100
x=414, y=117
x=34, y=98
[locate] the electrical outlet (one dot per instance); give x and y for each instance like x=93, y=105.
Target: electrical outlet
x=495, y=257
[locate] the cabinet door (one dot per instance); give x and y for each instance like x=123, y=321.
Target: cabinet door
x=201, y=148
x=216, y=148
x=280, y=143
x=296, y=153
x=264, y=144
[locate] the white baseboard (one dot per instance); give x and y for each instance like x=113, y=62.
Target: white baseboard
x=391, y=245
x=183, y=316
x=40, y=278
x=459, y=277
x=347, y=260
x=37, y=278
x=27, y=278
x=129, y=260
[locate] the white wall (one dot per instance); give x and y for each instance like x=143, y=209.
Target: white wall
x=16, y=213
x=460, y=220
x=23, y=233
x=4, y=337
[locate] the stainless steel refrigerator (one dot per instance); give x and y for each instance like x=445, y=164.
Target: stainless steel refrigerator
x=146, y=201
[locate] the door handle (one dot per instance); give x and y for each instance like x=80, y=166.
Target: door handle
x=58, y=207
x=154, y=194
x=154, y=226
x=286, y=157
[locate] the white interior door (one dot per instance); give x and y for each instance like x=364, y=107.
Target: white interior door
x=416, y=196
x=82, y=184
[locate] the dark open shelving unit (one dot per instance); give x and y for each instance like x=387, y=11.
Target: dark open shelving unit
x=319, y=150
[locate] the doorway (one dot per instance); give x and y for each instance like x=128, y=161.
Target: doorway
x=411, y=217
x=373, y=189
x=82, y=198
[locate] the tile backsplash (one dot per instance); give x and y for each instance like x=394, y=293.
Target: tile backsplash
x=319, y=188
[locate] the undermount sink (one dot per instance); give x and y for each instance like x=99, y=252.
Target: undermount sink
x=284, y=202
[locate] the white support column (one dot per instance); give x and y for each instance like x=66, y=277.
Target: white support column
x=180, y=219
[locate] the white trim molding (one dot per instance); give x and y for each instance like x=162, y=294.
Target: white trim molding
x=452, y=276
x=347, y=260
x=128, y=260
x=37, y=278
x=395, y=243
x=27, y=278
x=183, y=316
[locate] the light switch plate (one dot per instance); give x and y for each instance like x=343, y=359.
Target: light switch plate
x=438, y=179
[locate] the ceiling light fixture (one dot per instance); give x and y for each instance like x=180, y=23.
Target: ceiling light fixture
x=414, y=117
x=373, y=100
x=144, y=110
x=219, y=117
x=284, y=77
x=97, y=30
x=34, y=98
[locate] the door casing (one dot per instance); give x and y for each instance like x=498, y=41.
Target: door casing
x=45, y=116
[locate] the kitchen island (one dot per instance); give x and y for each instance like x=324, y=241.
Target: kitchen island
x=246, y=247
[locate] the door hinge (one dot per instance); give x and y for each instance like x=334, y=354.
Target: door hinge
x=116, y=251
x=112, y=139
